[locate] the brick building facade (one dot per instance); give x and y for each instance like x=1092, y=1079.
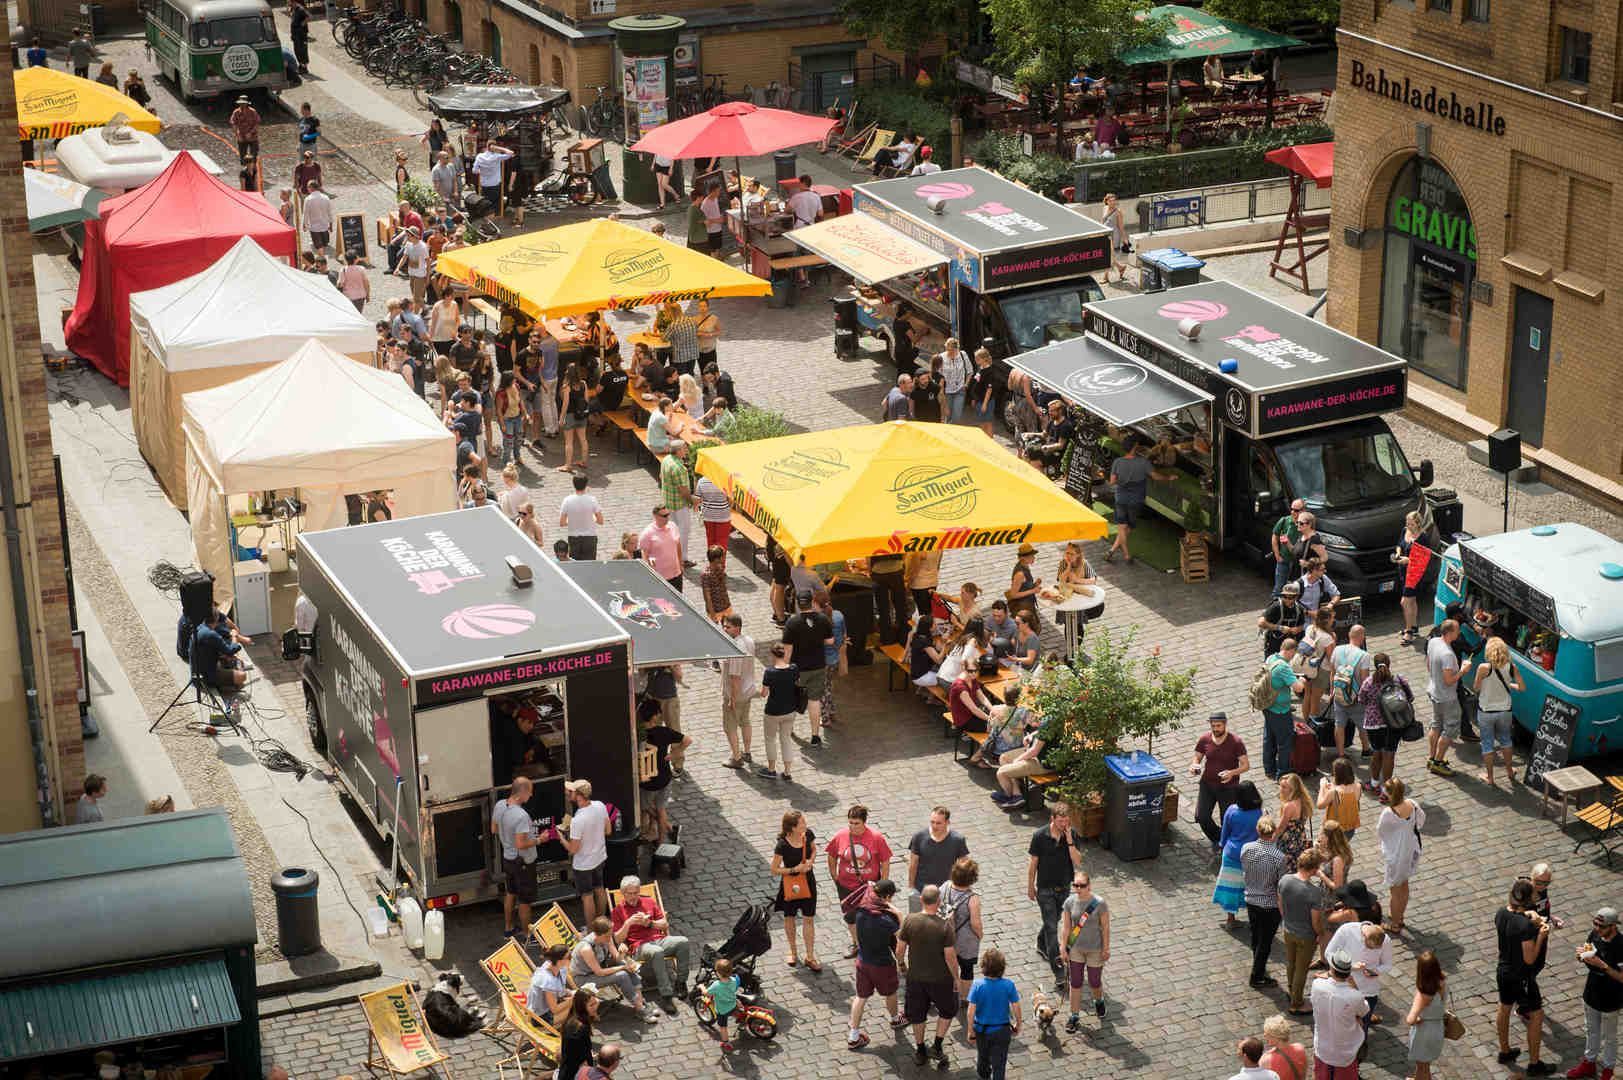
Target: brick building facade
x=28, y=431
x=1478, y=149
x=568, y=43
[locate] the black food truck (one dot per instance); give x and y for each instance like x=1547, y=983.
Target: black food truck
x=961, y=253
x=1249, y=405
x=449, y=655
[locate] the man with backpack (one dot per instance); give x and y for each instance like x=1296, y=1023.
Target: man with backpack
x=1283, y=617
x=1271, y=690
x=1350, y=665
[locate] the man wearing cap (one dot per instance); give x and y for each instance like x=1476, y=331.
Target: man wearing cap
x=511, y=824
x=318, y=216
x=1602, y=954
x=414, y=257
x=245, y=122
x=588, y=849
x=807, y=632
x=1338, y=1011
x=1284, y=617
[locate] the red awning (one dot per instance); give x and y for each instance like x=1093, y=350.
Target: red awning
x=1316, y=161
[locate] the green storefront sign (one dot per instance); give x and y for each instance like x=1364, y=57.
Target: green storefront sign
x=1451, y=232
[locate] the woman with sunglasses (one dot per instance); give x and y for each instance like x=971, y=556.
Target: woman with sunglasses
x=1084, y=929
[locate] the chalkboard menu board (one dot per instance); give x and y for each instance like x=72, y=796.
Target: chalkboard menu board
x=1081, y=469
x=1552, y=742
x=352, y=231
x=1492, y=578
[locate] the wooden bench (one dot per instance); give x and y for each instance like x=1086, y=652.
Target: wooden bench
x=898, y=660
x=753, y=535
x=623, y=424
x=812, y=264
x=654, y=456
x=1032, y=788
x=976, y=739
x=487, y=309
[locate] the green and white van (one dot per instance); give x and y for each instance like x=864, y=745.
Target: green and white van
x=214, y=47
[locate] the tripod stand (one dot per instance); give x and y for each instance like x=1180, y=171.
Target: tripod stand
x=202, y=693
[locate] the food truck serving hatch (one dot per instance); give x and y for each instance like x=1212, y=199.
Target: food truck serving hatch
x=1106, y=381
x=996, y=233
x=866, y=248
x=1290, y=373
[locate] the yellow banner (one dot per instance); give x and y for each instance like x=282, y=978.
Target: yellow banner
x=398, y=1028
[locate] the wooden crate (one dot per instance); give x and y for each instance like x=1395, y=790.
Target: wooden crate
x=1193, y=558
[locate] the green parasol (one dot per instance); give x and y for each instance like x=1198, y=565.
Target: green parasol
x=1195, y=35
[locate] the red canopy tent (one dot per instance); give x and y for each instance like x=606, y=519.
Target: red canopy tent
x=171, y=228
x=1310, y=161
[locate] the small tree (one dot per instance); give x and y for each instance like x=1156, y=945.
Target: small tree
x=1276, y=14
x=1092, y=711
x=1045, y=42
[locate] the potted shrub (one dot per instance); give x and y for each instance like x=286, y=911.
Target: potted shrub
x=1096, y=710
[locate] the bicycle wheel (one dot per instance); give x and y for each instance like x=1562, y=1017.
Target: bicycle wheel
x=762, y=1024
x=588, y=121
x=703, y=1008
x=582, y=192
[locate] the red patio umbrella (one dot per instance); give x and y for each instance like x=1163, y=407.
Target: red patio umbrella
x=733, y=129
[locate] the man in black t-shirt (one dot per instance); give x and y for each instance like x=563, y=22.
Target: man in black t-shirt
x=1058, y=431
x=807, y=632
x=1521, y=934
x=611, y=389
x=1055, y=854
x=661, y=737
x=1602, y=954
x=1283, y=618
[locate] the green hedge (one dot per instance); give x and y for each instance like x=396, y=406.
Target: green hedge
x=903, y=107
x=1130, y=177
x=1001, y=152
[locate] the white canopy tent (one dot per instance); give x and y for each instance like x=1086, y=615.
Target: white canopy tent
x=243, y=314
x=318, y=424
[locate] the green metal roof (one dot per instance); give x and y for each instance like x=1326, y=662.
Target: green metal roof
x=112, y=1007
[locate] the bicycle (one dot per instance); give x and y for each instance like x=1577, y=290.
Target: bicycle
x=757, y=1019
x=606, y=114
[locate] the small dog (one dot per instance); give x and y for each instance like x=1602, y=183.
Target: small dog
x=1046, y=1012
x=447, y=1017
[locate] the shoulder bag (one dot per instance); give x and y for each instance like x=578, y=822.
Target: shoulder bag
x=797, y=886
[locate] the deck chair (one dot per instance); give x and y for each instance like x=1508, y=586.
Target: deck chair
x=880, y=139
x=649, y=888
x=851, y=142
x=510, y=969
x=538, y=1040
x=1605, y=819
x=554, y=928
x=397, y=1040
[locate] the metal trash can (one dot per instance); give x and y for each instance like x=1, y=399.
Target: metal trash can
x=846, y=325
x=1133, y=801
x=783, y=290
x=783, y=165
x=298, y=916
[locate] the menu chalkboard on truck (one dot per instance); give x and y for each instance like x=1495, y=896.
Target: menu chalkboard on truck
x=1552, y=742
x=1081, y=469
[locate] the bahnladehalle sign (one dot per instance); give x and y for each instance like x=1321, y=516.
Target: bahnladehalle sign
x=1428, y=98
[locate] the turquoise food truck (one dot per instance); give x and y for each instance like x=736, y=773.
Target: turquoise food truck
x=1554, y=593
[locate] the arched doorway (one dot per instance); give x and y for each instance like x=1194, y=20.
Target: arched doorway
x=1428, y=270
x=453, y=20
x=495, y=39
x=557, y=71
x=535, y=66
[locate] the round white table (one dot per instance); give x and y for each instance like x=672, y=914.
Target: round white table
x=1085, y=603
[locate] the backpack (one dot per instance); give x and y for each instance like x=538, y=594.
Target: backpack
x=955, y=911
x=1343, y=687
x=1263, y=694
x=1395, y=705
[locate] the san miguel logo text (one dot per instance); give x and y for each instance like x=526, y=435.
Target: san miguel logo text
x=803, y=468
x=902, y=542
x=934, y=492
x=642, y=268
x=748, y=503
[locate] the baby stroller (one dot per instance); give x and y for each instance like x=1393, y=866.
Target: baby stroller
x=751, y=937
x=481, y=213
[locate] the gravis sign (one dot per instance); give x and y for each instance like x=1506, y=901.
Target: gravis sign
x=1437, y=227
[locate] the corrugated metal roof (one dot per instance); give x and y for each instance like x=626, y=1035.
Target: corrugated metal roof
x=133, y=889
x=109, y=1008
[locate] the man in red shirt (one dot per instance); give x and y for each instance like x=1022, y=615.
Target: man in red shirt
x=640, y=925
x=856, y=854
x=410, y=218
x=306, y=172
x=1220, y=761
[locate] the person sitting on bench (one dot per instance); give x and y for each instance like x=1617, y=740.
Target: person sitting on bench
x=214, y=654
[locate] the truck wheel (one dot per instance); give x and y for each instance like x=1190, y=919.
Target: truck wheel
x=312, y=720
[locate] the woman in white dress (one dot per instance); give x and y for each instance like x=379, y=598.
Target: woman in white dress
x=1399, y=830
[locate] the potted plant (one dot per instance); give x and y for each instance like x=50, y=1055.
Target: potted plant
x=1095, y=710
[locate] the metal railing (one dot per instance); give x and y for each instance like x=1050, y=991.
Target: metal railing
x=1220, y=204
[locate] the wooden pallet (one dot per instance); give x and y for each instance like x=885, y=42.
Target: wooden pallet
x=1193, y=559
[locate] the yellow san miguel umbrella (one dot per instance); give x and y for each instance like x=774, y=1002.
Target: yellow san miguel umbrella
x=578, y=268
x=893, y=488
x=53, y=104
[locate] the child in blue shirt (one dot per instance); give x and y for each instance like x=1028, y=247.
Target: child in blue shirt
x=994, y=1016
x=724, y=997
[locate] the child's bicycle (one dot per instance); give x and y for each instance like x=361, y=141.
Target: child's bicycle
x=757, y=1019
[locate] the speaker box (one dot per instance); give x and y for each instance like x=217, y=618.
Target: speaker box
x=1505, y=450
x=196, y=595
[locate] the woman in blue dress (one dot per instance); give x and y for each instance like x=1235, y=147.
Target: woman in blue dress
x=1239, y=829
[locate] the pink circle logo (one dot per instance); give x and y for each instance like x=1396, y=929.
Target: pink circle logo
x=1199, y=310
x=488, y=621
x=945, y=190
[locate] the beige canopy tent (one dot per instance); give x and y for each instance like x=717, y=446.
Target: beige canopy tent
x=241, y=315
x=317, y=424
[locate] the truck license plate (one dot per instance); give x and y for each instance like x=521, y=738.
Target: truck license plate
x=1388, y=586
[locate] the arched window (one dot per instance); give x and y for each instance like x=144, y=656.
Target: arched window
x=1429, y=266
x=557, y=71
x=495, y=39
x=535, y=66
x=453, y=20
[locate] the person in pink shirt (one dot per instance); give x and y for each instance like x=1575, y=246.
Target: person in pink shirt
x=856, y=854
x=661, y=545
